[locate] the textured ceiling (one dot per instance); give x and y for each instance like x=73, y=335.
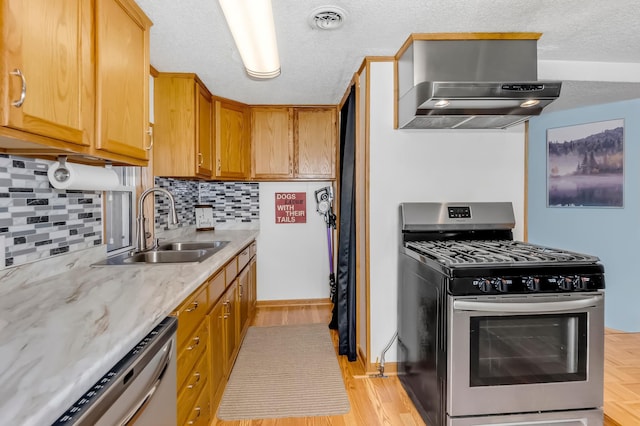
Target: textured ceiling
x=192, y=36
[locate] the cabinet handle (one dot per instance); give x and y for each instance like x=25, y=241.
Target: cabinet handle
x=240, y=289
x=195, y=345
x=194, y=384
x=23, y=91
x=150, y=133
x=201, y=159
x=219, y=167
x=195, y=306
x=193, y=421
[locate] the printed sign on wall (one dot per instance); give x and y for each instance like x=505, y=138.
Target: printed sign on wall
x=291, y=207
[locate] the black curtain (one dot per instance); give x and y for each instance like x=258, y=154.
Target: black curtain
x=344, y=304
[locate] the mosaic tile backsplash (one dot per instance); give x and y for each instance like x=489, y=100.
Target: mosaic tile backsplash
x=233, y=202
x=38, y=221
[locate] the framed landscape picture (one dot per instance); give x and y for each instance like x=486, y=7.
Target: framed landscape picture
x=585, y=165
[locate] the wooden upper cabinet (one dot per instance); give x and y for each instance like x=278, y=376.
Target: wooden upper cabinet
x=289, y=143
x=183, y=139
x=122, y=79
x=47, y=53
x=272, y=142
x=316, y=136
x=204, y=111
x=232, y=140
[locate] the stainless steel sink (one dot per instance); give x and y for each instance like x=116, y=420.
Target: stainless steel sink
x=167, y=256
x=176, y=252
x=193, y=245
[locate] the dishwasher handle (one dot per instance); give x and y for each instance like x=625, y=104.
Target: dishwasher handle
x=533, y=307
x=139, y=406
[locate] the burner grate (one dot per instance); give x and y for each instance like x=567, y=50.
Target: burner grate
x=494, y=252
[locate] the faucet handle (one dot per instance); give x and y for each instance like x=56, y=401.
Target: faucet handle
x=156, y=243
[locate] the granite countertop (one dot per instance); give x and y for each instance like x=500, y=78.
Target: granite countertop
x=59, y=334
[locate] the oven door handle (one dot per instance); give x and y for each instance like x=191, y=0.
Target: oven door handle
x=533, y=307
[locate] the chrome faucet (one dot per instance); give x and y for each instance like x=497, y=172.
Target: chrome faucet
x=141, y=234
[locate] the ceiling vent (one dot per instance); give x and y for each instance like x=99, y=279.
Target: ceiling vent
x=327, y=18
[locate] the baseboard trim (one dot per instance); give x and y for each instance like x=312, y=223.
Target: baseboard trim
x=293, y=302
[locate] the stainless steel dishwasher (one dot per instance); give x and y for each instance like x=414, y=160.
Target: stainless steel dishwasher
x=140, y=389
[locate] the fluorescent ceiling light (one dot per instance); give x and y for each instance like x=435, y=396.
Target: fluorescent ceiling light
x=251, y=24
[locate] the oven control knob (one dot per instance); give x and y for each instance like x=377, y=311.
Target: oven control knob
x=565, y=283
x=532, y=283
x=581, y=283
x=483, y=284
x=501, y=284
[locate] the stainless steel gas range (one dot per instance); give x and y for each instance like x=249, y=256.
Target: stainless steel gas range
x=493, y=331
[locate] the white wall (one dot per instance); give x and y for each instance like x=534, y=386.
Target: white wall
x=293, y=259
x=427, y=165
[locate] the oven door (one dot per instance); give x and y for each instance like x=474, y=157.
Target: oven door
x=525, y=353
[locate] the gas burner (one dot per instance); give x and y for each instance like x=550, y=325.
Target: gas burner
x=462, y=253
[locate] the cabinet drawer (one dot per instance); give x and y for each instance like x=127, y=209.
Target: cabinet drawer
x=216, y=287
x=200, y=414
x=190, y=315
x=243, y=258
x=231, y=270
x=196, y=383
x=253, y=249
x=189, y=353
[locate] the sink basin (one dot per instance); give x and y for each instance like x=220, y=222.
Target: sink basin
x=193, y=245
x=167, y=256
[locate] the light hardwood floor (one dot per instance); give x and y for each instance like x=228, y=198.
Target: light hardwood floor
x=374, y=401
x=621, y=378
x=383, y=401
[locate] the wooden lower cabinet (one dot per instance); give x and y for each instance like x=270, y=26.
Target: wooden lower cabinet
x=253, y=284
x=211, y=325
x=193, y=359
x=232, y=333
x=200, y=414
x=191, y=352
x=196, y=384
x=217, y=374
x=244, y=293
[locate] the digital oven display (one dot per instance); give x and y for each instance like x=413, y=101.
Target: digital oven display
x=459, y=212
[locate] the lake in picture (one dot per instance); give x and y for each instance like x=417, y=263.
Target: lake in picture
x=585, y=165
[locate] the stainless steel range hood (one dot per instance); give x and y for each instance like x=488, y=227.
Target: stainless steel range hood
x=470, y=84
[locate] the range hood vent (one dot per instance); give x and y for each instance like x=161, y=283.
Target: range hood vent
x=471, y=84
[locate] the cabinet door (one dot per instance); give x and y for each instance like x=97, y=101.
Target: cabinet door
x=253, y=286
x=316, y=135
x=200, y=414
x=196, y=383
x=204, y=131
x=232, y=142
x=231, y=327
x=50, y=43
x=244, y=293
x=272, y=142
x=122, y=86
x=174, y=148
x=217, y=339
